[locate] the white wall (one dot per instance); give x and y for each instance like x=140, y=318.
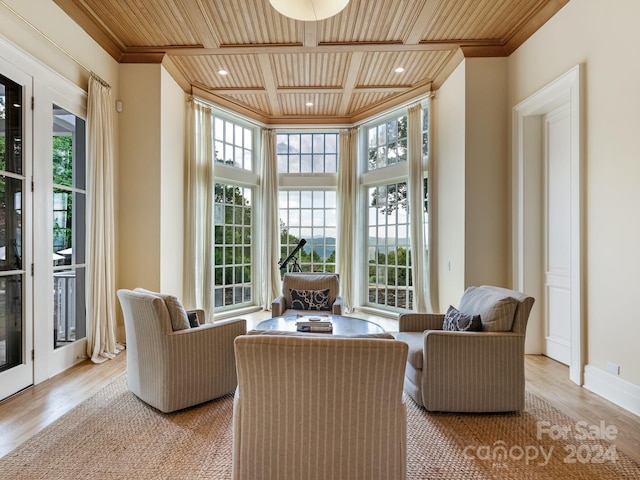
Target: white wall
x=173, y=124
x=473, y=188
x=140, y=177
x=449, y=118
x=601, y=36
x=487, y=207
x=151, y=180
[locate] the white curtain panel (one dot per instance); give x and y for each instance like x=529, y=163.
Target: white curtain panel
x=199, y=211
x=432, y=214
x=269, y=241
x=101, y=295
x=415, y=196
x=347, y=195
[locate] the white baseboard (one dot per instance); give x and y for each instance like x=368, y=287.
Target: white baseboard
x=616, y=390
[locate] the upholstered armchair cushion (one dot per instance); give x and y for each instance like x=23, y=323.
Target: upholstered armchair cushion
x=307, y=281
x=464, y=371
x=299, y=413
x=177, y=313
x=171, y=370
x=496, y=308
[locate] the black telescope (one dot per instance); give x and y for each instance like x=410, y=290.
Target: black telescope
x=292, y=255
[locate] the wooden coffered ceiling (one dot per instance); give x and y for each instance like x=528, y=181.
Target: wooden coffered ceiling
x=344, y=65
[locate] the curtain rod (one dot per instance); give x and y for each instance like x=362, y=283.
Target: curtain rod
x=99, y=80
x=52, y=42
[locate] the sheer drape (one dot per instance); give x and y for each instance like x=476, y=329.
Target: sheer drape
x=199, y=211
x=101, y=341
x=432, y=214
x=269, y=242
x=347, y=193
x=415, y=199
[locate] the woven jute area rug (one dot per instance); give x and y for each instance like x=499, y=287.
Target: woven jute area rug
x=114, y=435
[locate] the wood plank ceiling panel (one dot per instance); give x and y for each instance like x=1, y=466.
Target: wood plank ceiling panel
x=344, y=65
x=366, y=100
x=252, y=22
x=418, y=68
x=302, y=70
x=259, y=103
x=145, y=24
x=371, y=21
x=478, y=19
x=324, y=104
x=243, y=71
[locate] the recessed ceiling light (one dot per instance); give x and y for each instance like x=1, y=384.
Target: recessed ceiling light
x=399, y=70
x=309, y=104
x=222, y=72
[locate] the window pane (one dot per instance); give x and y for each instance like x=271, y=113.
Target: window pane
x=307, y=153
x=11, y=188
x=305, y=163
x=10, y=126
x=10, y=321
x=315, y=215
x=387, y=143
x=233, y=257
x=318, y=143
x=10, y=223
x=388, y=245
x=233, y=144
x=69, y=226
x=69, y=312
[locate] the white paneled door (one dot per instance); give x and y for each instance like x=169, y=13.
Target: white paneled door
x=557, y=234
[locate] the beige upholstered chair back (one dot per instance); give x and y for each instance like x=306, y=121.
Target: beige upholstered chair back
x=319, y=408
x=523, y=308
x=171, y=370
x=310, y=281
x=146, y=322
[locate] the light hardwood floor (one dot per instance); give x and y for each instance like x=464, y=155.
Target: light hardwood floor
x=28, y=412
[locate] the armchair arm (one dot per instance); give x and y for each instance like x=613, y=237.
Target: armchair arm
x=201, y=343
x=419, y=322
x=193, y=365
x=207, y=349
x=336, y=308
x=278, y=306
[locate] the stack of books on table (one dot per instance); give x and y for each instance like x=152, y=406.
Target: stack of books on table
x=311, y=323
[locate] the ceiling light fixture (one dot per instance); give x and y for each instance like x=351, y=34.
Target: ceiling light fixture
x=309, y=104
x=222, y=72
x=309, y=10
x=399, y=70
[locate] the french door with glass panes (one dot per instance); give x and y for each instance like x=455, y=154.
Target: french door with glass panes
x=16, y=340
x=42, y=226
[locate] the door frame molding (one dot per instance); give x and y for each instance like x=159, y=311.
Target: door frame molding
x=527, y=204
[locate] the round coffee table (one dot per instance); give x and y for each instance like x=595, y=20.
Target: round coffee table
x=341, y=325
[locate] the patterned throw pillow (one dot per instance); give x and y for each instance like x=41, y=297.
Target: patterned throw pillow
x=456, y=321
x=193, y=319
x=310, y=299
